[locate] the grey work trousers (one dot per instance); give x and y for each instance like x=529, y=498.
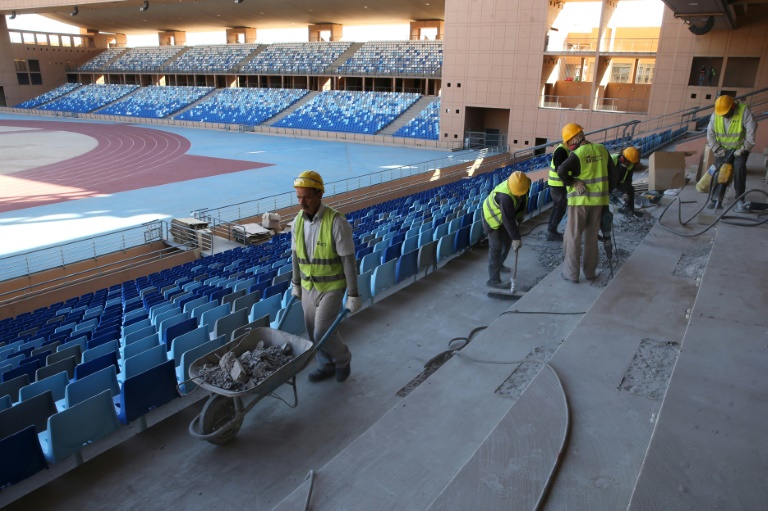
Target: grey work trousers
x=499, y=243
x=582, y=221
x=320, y=311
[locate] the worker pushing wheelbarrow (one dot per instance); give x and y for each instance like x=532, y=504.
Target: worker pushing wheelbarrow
x=223, y=413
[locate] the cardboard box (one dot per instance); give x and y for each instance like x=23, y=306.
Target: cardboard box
x=666, y=170
x=270, y=221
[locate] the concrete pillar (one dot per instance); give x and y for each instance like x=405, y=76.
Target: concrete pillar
x=419, y=25
x=314, y=31
x=172, y=38
x=248, y=35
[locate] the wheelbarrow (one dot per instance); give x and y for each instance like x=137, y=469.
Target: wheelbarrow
x=223, y=413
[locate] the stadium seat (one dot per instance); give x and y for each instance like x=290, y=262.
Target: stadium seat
x=83, y=423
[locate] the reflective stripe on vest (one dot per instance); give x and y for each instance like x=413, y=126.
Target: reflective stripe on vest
x=593, y=160
x=492, y=211
x=628, y=168
x=324, y=271
x=734, y=137
x=554, y=179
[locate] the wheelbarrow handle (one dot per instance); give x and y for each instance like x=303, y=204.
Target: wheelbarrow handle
x=328, y=332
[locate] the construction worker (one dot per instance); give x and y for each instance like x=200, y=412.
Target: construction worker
x=625, y=162
x=557, y=192
x=503, y=210
x=731, y=135
x=587, y=174
x=324, y=265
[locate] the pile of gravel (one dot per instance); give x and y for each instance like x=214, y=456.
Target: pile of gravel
x=258, y=365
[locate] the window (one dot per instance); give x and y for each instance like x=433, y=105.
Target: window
x=28, y=71
x=620, y=72
x=644, y=73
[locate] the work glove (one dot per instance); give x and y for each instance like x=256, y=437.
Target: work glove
x=296, y=290
x=720, y=152
x=579, y=186
x=354, y=303
x=738, y=152
x=516, y=244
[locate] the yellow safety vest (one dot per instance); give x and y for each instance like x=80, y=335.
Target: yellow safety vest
x=492, y=211
x=554, y=179
x=324, y=271
x=733, y=138
x=627, y=173
x=593, y=160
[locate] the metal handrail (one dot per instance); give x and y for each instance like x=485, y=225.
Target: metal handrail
x=60, y=255
x=255, y=207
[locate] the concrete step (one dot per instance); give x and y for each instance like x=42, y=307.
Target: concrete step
x=406, y=116
x=288, y=111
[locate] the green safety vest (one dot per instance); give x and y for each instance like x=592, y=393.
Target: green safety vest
x=627, y=173
x=554, y=179
x=593, y=160
x=733, y=138
x=492, y=211
x=324, y=271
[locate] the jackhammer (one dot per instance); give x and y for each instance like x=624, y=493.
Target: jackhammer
x=720, y=181
x=606, y=233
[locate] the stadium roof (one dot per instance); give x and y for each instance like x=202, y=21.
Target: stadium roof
x=213, y=15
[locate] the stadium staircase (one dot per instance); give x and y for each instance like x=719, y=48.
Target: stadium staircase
x=334, y=67
x=288, y=111
x=406, y=116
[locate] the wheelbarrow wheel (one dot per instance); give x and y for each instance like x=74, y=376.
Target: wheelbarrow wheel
x=220, y=418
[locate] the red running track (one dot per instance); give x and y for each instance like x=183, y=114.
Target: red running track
x=126, y=158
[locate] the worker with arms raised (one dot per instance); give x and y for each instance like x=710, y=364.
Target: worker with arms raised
x=324, y=266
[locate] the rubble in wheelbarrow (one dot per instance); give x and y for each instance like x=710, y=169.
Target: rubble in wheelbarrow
x=237, y=373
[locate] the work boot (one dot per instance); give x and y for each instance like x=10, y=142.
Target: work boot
x=743, y=206
x=554, y=236
x=505, y=269
x=342, y=373
x=321, y=374
x=575, y=281
x=497, y=284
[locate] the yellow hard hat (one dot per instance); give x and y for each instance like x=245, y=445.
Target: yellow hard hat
x=723, y=105
x=309, y=179
x=570, y=131
x=631, y=154
x=519, y=183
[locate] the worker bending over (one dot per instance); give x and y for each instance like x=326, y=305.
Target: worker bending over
x=324, y=266
x=588, y=174
x=731, y=129
x=503, y=211
x=625, y=162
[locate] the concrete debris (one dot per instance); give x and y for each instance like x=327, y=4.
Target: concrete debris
x=238, y=373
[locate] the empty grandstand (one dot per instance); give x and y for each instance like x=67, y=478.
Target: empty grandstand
x=425, y=125
x=145, y=59
x=243, y=106
x=89, y=98
x=156, y=102
x=354, y=112
x=49, y=96
x=211, y=58
x=396, y=58
x=295, y=58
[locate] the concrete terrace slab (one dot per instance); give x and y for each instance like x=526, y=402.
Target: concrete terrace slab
x=708, y=449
